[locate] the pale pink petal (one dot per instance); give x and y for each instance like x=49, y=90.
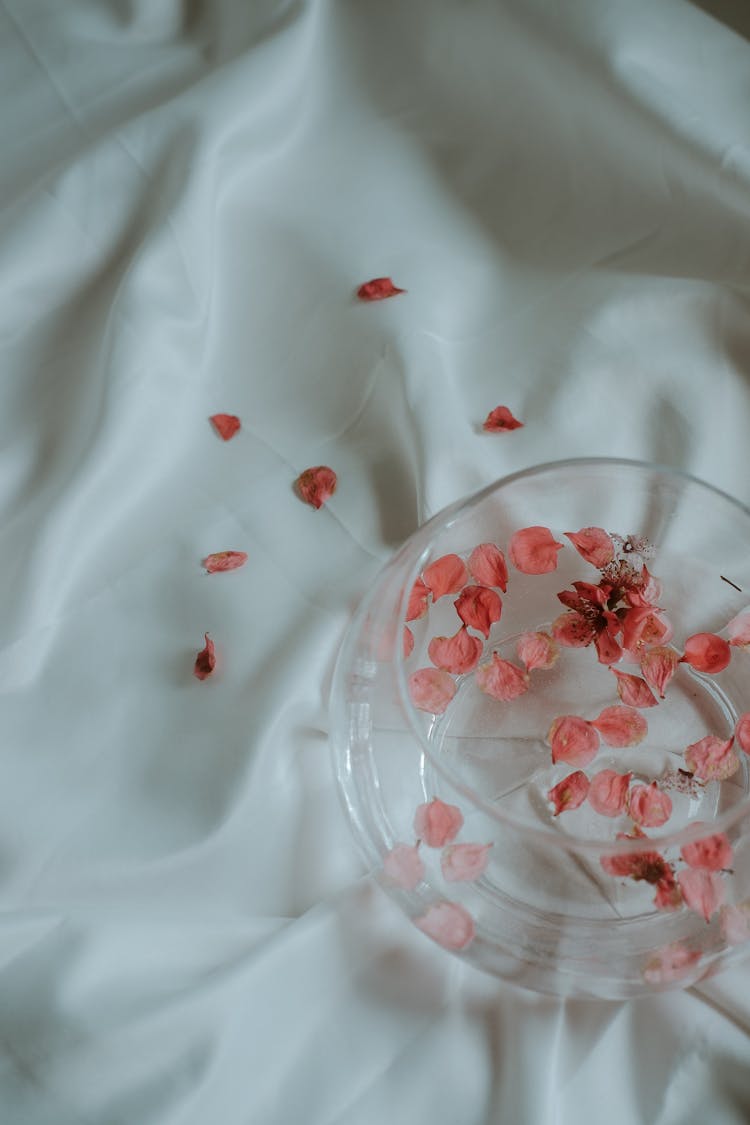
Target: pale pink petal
x=642, y=627
x=569, y=793
x=671, y=963
x=205, y=661
x=533, y=550
x=501, y=679
x=573, y=740
x=462, y=863
x=500, y=420
x=408, y=642
x=633, y=691
x=437, y=823
x=431, y=689
x=316, y=485
x=445, y=576
x=712, y=758
x=658, y=665
x=712, y=853
x=479, y=607
x=608, y=794
x=707, y=653
x=621, y=726
x=457, y=654
x=224, y=560
x=419, y=597
x=649, y=806
x=739, y=629
x=449, y=924
x=403, y=866
x=573, y=630
x=593, y=544
x=703, y=891
x=735, y=923
x=487, y=566
x=536, y=650
x=742, y=732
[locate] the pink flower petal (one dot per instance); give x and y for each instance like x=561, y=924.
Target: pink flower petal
x=462, y=863
x=712, y=759
x=573, y=630
x=739, y=629
x=658, y=665
x=735, y=923
x=646, y=593
x=569, y=793
x=224, y=560
x=573, y=740
x=533, y=550
x=712, y=853
x=649, y=867
x=671, y=963
x=707, y=653
x=226, y=425
x=649, y=806
x=445, y=576
x=419, y=597
x=403, y=866
x=378, y=289
x=668, y=894
x=437, y=823
x=608, y=650
x=742, y=732
x=457, y=654
x=205, y=661
x=500, y=421
x=633, y=691
x=593, y=544
x=703, y=891
x=536, y=650
x=621, y=726
x=608, y=794
x=431, y=689
x=642, y=627
x=501, y=679
x=487, y=566
x=479, y=607
x=448, y=924
x=407, y=642
x=316, y=485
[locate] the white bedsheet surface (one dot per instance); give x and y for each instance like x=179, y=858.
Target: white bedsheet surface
x=191, y=193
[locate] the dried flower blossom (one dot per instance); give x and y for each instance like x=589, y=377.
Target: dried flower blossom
x=487, y=566
x=569, y=793
x=445, y=575
x=479, y=607
x=462, y=863
x=458, y=654
x=403, y=866
x=573, y=740
x=533, y=550
x=588, y=620
x=449, y=924
x=437, y=823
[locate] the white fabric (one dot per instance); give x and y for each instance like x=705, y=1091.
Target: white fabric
x=192, y=191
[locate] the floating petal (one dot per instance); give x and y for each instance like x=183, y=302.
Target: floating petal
x=712, y=759
x=457, y=654
x=431, y=689
x=573, y=630
x=533, y=550
x=633, y=691
x=703, y=891
x=403, y=866
x=501, y=679
x=449, y=924
x=649, y=806
x=437, y=823
x=573, y=740
x=621, y=726
x=593, y=544
x=712, y=853
x=487, y=566
x=419, y=597
x=707, y=653
x=569, y=793
x=479, y=607
x=658, y=665
x=462, y=863
x=642, y=627
x=445, y=575
x=608, y=794
x=536, y=650
x=408, y=642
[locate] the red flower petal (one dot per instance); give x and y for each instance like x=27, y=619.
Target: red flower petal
x=448, y=924
x=608, y=650
x=457, y=654
x=712, y=759
x=408, y=642
x=643, y=626
x=437, y=823
x=378, y=289
x=703, y=891
x=536, y=650
x=501, y=679
x=205, y=661
x=712, y=853
x=224, y=560
x=226, y=425
x=403, y=866
x=649, y=806
x=573, y=740
x=570, y=792
x=462, y=863
x=632, y=690
x=445, y=576
x=742, y=732
x=671, y=963
x=658, y=665
x=487, y=566
x=316, y=485
x=621, y=726
x=649, y=867
x=533, y=550
x=707, y=653
x=593, y=544
x=500, y=420
x=573, y=631
x=431, y=689
x=418, y=600
x=479, y=607
x=608, y=793
x=739, y=629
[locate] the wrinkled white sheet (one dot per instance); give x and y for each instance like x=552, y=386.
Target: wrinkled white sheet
x=191, y=192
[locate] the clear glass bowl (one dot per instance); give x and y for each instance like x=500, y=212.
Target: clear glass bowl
x=517, y=840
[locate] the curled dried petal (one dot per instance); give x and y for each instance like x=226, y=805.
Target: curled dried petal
x=316, y=485
x=408, y=642
x=712, y=853
x=608, y=794
x=449, y=924
x=621, y=726
x=593, y=544
x=707, y=653
x=464, y=862
x=500, y=421
x=457, y=654
x=633, y=691
x=479, y=607
x=712, y=758
x=649, y=806
x=533, y=550
x=205, y=661
x=569, y=793
x=703, y=891
x=658, y=665
x=437, y=823
x=226, y=425
x=403, y=866
x=735, y=923
x=573, y=630
x=671, y=963
x=501, y=679
x=431, y=689
x=742, y=732
x=224, y=560
x=419, y=596
x=738, y=629
x=536, y=650
x=445, y=575
x=378, y=289
x=573, y=740
x=487, y=566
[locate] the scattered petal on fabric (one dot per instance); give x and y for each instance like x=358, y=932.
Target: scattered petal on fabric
x=707, y=653
x=457, y=654
x=671, y=963
x=569, y=793
x=735, y=923
x=573, y=630
x=437, y=823
x=462, y=863
x=649, y=806
x=742, y=732
x=533, y=550
x=317, y=485
x=658, y=665
x=408, y=642
x=226, y=425
x=593, y=544
x=642, y=627
x=712, y=853
x=501, y=679
x=418, y=601
x=621, y=726
x=500, y=420
x=205, y=661
x=738, y=629
x=703, y=891
x=608, y=793
x=446, y=575
x=224, y=560
x=431, y=689
x=403, y=866
x=449, y=924
x=479, y=607
x=537, y=650
x=487, y=566
x=712, y=758
x=378, y=289
x=634, y=691
x=573, y=740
